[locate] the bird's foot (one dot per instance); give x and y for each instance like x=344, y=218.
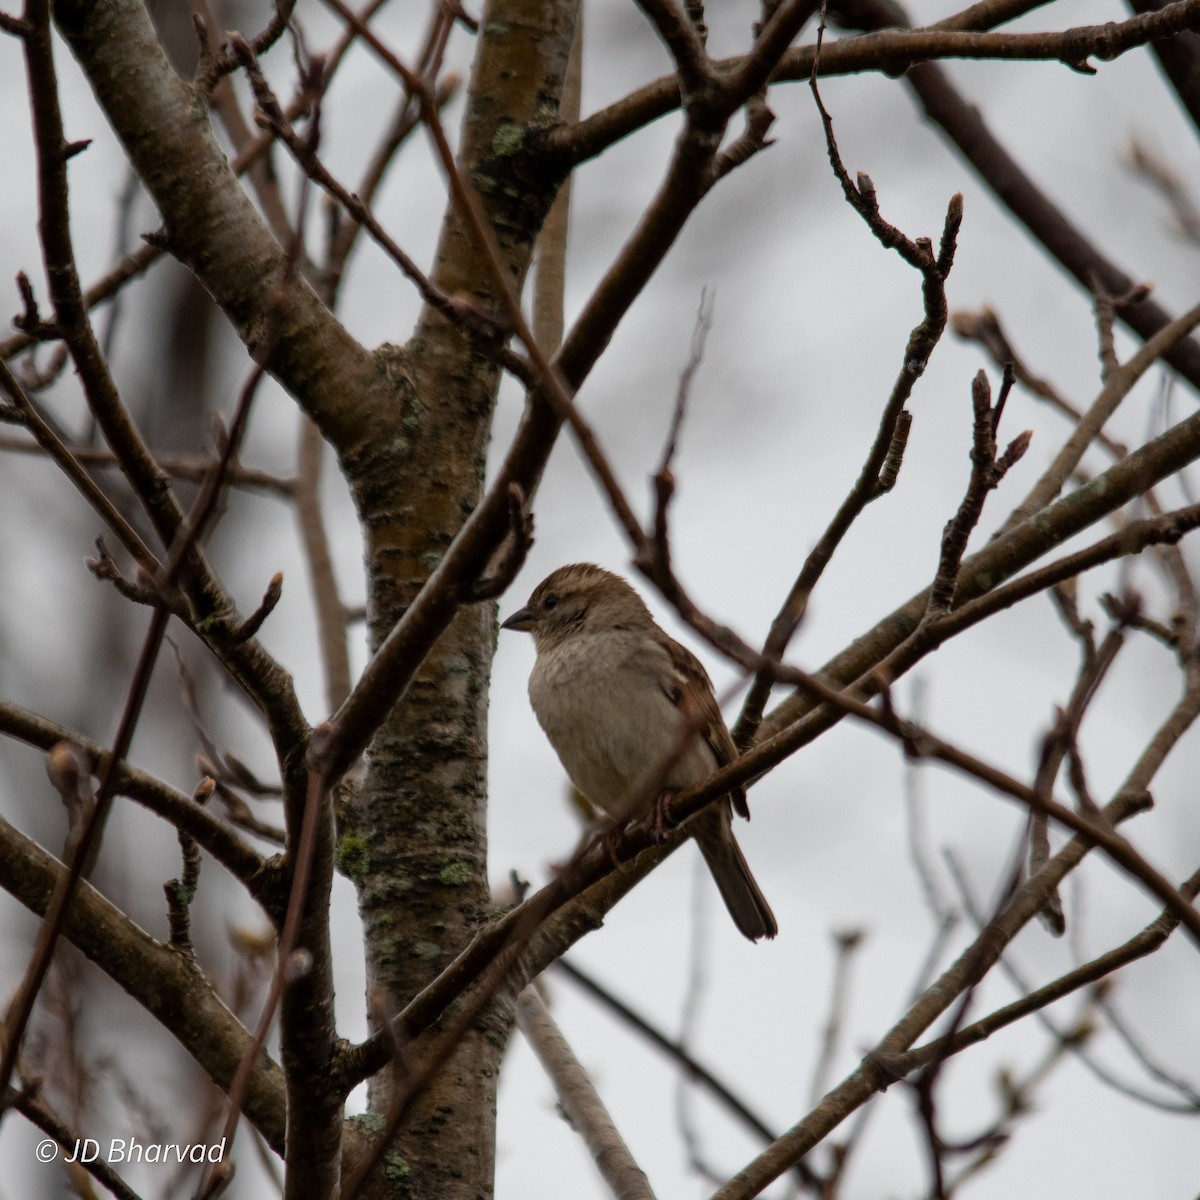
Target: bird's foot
x=662, y=822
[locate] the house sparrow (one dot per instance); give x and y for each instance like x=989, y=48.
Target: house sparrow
x=616, y=696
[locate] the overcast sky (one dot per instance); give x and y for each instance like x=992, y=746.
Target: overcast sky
x=810, y=320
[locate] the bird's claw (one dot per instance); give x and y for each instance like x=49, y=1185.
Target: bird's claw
x=662, y=823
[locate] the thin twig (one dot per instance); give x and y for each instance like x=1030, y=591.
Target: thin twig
x=987, y=471
x=550, y=277
x=1164, y=179
x=882, y=464
x=845, y=945
x=924, y=1083
x=192, y=468
x=89, y=841
x=1116, y=388
x=71, y=466
x=39, y=1114
x=274, y=118
x=886, y=1062
x=691, y=1067
x=984, y=327
x=1090, y=974
x=289, y=959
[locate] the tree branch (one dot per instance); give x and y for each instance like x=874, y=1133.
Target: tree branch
x=166, y=983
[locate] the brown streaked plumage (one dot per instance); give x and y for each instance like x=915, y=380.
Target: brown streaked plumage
x=616, y=697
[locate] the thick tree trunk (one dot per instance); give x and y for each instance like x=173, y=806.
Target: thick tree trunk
x=418, y=832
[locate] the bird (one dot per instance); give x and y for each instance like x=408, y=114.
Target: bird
x=626, y=707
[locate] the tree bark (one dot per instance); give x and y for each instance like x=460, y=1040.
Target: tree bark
x=417, y=833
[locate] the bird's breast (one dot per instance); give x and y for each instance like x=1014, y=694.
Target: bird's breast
x=604, y=707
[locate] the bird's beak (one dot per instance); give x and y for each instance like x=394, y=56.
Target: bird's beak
x=522, y=620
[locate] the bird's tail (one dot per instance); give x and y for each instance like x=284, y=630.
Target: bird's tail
x=747, y=905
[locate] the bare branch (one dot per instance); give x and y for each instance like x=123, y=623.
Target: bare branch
x=882, y=465
x=987, y=471
x=845, y=945
x=192, y=468
x=90, y=836
x=1115, y=390
x=1093, y=974
x=695, y=1071
x=73, y=469
x=682, y=39
x=253, y=623
x=580, y=1101
x=39, y=1114
x=168, y=985
x=1161, y=176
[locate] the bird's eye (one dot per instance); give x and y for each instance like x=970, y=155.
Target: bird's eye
x=550, y=602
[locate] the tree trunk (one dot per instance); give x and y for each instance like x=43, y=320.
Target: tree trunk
x=417, y=835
